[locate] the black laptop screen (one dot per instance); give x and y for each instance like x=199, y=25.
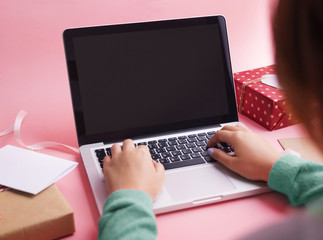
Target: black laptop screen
x=139, y=79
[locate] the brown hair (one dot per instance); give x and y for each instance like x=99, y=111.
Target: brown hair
x=298, y=38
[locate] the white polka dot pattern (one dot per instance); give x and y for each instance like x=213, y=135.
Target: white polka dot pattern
x=262, y=103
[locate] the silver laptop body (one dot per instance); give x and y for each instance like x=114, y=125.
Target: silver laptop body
x=152, y=82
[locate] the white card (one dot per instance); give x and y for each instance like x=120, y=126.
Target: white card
x=30, y=171
x=271, y=80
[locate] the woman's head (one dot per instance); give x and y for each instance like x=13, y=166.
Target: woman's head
x=298, y=37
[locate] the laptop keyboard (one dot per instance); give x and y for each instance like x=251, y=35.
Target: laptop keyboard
x=176, y=152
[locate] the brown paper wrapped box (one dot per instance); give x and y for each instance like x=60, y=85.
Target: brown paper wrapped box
x=46, y=215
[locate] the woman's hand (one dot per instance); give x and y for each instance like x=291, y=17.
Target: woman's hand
x=254, y=156
x=132, y=168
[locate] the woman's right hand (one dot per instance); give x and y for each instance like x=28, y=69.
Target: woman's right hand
x=132, y=168
x=254, y=156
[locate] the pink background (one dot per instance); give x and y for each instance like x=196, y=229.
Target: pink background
x=33, y=77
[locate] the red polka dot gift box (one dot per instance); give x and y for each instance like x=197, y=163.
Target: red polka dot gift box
x=260, y=102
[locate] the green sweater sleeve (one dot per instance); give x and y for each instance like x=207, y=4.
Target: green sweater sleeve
x=128, y=214
x=300, y=180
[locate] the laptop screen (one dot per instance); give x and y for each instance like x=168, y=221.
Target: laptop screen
x=145, y=78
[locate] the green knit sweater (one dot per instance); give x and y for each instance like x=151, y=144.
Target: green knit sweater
x=128, y=213
x=300, y=180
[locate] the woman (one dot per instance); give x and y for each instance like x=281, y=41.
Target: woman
x=133, y=179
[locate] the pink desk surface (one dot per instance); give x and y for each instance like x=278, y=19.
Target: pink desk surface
x=33, y=77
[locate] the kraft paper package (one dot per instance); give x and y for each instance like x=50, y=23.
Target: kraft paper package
x=46, y=215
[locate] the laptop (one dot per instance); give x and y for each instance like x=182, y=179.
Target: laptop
x=166, y=84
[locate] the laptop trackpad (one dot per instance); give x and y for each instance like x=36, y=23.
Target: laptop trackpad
x=197, y=183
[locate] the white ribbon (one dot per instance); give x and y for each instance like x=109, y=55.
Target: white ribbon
x=37, y=146
x=7, y=131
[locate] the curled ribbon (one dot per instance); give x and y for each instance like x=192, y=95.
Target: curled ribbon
x=37, y=146
x=243, y=89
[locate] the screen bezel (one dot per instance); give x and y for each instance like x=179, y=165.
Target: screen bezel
x=70, y=34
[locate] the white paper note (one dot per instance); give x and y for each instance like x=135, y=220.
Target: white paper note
x=30, y=171
x=271, y=80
